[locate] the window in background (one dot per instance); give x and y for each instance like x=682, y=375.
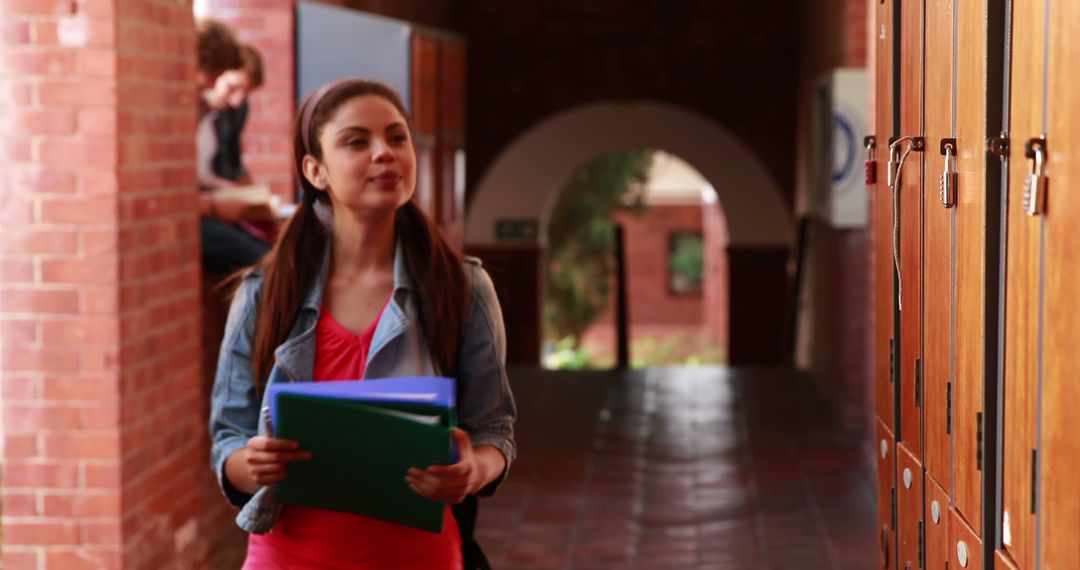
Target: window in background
x=686, y=253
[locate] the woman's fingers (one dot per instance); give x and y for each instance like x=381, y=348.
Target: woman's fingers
x=439, y=489
x=278, y=456
x=263, y=443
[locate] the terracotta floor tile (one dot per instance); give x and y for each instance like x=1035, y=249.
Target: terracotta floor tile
x=707, y=468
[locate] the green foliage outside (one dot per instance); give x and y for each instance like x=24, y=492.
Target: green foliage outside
x=687, y=262
x=581, y=240
x=644, y=353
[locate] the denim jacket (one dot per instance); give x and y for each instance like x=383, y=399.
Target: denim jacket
x=486, y=408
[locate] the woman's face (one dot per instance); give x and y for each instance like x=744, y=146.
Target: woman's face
x=368, y=164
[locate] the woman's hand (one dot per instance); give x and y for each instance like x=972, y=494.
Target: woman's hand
x=452, y=483
x=262, y=462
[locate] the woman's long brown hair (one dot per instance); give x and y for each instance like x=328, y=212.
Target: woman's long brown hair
x=291, y=267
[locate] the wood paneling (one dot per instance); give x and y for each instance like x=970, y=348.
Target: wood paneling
x=961, y=532
x=425, y=85
x=970, y=257
x=909, y=502
x=881, y=216
x=1059, y=501
x=911, y=107
x=451, y=212
x=1003, y=562
x=885, y=452
x=1022, y=288
x=424, y=107
x=937, y=532
x=515, y=271
x=937, y=243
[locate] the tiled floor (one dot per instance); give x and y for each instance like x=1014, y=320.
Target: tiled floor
x=704, y=468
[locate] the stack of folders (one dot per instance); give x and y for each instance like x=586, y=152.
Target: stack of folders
x=363, y=437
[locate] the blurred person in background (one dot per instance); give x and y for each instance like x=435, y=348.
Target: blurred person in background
x=221, y=79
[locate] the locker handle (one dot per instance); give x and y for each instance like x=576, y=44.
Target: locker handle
x=884, y=546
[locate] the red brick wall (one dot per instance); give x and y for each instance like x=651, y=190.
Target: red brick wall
x=99, y=298
x=59, y=285
x=837, y=293
x=647, y=248
x=162, y=435
x=655, y=311
x=716, y=305
x=734, y=62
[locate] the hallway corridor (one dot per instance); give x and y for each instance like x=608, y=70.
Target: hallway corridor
x=697, y=468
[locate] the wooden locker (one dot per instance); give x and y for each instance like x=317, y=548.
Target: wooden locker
x=881, y=217
x=885, y=451
x=1059, y=449
x=937, y=526
x=1003, y=562
x=938, y=297
x=424, y=108
x=452, y=139
x=965, y=547
x=909, y=505
x=1021, y=350
x=911, y=223
x=971, y=250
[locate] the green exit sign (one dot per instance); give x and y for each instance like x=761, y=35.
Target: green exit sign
x=517, y=229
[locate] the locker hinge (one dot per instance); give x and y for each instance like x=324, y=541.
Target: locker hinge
x=999, y=146
x=892, y=358
x=918, y=382
x=948, y=408
x=978, y=441
x=922, y=539
x=893, y=495
x=1034, y=481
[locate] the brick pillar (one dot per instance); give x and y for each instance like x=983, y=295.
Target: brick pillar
x=99, y=286
x=269, y=26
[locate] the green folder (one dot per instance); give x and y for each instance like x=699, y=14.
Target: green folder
x=361, y=451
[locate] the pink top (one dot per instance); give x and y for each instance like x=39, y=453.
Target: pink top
x=316, y=538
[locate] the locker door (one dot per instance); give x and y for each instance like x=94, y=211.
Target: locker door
x=1021, y=349
x=1059, y=494
x=1003, y=562
x=909, y=504
x=971, y=270
x=938, y=243
x=425, y=118
x=910, y=197
x=881, y=216
x=965, y=551
x=937, y=526
x=885, y=451
x=452, y=139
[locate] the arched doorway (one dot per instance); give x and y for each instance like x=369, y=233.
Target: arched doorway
x=511, y=206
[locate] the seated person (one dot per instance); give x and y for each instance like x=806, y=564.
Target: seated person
x=235, y=86
x=226, y=247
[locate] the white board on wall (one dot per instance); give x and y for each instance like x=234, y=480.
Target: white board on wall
x=334, y=42
x=838, y=124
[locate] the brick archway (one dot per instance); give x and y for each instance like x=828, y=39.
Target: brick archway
x=523, y=183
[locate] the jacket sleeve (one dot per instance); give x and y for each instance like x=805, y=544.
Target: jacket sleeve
x=233, y=404
x=486, y=409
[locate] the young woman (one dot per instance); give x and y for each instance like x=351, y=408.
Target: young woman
x=360, y=285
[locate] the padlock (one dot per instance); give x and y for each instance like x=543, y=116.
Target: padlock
x=890, y=176
x=871, y=165
x=1035, y=183
x=949, y=179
